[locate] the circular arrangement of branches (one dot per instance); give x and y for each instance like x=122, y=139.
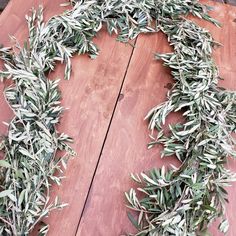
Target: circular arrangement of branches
x=178, y=201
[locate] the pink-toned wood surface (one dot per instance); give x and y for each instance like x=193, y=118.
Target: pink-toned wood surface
x=125, y=150
x=111, y=137
x=90, y=95
x=144, y=87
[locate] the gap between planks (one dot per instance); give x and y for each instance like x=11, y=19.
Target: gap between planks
x=97, y=206
x=105, y=138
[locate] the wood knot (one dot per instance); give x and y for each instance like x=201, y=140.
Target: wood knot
x=121, y=96
x=168, y=86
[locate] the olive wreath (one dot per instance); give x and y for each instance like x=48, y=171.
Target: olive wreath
x=178, y=201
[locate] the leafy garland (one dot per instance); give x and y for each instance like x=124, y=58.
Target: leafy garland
x=180, y=201
x=184, y=200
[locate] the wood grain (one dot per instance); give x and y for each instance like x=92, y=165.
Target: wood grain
x=90, y=95
x=125, y=150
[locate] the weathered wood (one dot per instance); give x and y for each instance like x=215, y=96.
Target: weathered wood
x=125, y=150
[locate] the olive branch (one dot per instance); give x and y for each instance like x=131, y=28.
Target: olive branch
x=178, y=201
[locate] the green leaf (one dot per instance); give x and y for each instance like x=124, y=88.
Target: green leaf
x=133, y=221
x=5, y=193
x=5, y=164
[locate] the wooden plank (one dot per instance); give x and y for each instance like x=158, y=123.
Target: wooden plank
x=125, y=150
x=90, y=95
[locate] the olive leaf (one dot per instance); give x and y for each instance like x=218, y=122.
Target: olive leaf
x=177, y=201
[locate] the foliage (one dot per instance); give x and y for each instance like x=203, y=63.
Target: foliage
x=30, y=162
x=180, y=201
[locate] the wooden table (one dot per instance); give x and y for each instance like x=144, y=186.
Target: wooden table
x=107, y=100
x=3, y=3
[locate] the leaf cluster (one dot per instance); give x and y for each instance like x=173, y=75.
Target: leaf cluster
x=179, y=201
